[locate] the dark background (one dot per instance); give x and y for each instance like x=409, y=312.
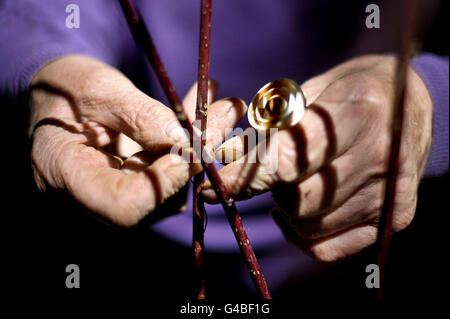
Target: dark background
x=43, y=232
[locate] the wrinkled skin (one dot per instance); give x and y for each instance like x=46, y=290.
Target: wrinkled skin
x=332, y=166
x=88, y=119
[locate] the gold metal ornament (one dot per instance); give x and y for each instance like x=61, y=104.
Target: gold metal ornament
x=278, y=104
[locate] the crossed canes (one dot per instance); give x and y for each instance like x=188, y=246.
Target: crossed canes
x=143, y=38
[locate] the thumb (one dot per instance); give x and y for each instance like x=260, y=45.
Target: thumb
x=99, y=93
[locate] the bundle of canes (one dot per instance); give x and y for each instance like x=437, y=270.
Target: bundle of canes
x=143, y=38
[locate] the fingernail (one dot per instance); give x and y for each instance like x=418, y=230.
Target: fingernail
x=208, y=192
x=232, y=113
x=175, y=132
x=228, y=152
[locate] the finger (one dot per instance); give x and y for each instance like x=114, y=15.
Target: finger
x=95, y=180
x=334, y=247
x=248, y=176
x=234, y=148
x=343, y=206
x=330, y=237
x=350, y=214
x=223, y=116
x=341, y=245
x=363, y=207
x=138, y=162
x=294, y=154
x=125, y=198
x=330, y=187
x=143, y=159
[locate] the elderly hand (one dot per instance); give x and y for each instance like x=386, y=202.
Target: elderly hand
x=82, y=109
x=331, y=167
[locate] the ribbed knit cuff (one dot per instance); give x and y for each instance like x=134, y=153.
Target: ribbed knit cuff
x=23, y=70
x=434, y=71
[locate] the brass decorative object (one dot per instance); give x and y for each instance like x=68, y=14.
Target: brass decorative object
x=278, y=104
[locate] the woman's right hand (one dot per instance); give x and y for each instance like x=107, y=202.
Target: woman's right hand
x=81, y=107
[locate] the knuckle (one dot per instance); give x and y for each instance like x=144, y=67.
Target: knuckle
x=105, y=89
x=369, y=101
x=175, y=181
x=125, y=209
x=259, y=184
x=150, y=115
x=406, y=201
x=287, y=172
x=141, y=115
x=368, y=89
x=125, y=216
x=370, y=199
x=83, y=153
x=367, y=236
x=309, y=204
x=402, y=219
x=325, y=253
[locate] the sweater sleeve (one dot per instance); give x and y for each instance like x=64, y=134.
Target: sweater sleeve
x=434, y=71
x=33, y=33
